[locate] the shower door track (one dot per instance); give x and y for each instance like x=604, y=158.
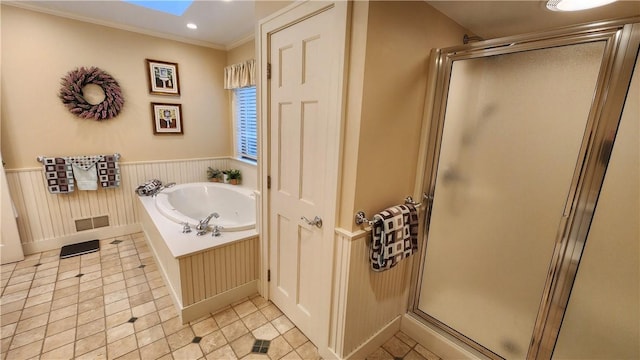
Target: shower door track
x=622, y=39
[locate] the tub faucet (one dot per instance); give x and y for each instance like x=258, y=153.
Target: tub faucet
x=204, y=223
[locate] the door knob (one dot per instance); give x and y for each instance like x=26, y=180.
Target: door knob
x=317, y=221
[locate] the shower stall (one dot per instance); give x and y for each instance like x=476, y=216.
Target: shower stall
x=523, y=145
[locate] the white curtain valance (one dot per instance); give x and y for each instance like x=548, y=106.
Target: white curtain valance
x=240, y=75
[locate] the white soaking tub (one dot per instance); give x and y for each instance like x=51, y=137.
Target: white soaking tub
x=190, y=203
x=203, y=273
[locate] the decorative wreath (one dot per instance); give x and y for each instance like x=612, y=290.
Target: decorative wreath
x=73, y=98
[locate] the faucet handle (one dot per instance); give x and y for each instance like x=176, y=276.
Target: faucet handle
x=186, y=228
x=216, y=230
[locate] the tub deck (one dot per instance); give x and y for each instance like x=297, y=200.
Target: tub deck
x=180, y=244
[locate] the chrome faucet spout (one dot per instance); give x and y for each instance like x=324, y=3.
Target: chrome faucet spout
x=204, y=223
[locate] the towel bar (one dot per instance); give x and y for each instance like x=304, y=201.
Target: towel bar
x=361, y=218
x=41, y=158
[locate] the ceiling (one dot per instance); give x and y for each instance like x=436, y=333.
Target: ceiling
x=492, y=19
x=221, y=24
x=226, y=24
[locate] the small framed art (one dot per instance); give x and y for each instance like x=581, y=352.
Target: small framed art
x=167, y=118
x=163, y=77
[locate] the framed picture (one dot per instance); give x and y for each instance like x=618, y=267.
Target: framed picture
x=163, y=77
x=167, y=118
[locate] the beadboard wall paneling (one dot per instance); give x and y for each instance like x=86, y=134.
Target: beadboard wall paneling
x=43, y=216
x=365, y=302
x=212, y=272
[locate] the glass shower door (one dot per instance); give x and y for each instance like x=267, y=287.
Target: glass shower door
x=511, y=140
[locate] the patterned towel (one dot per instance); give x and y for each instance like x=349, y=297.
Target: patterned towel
x=394, y=236
x=84, y=171
x=59, y=175
x=108, y=171
x=148, y=187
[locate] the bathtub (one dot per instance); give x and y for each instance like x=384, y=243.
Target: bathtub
x=190, y=203
x=203, y=273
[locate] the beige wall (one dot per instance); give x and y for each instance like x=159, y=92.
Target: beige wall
x=399, y=38
x=242, y=53
x=39, y=49
x=264, y=8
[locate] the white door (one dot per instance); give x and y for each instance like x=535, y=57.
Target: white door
x=306, y=65
x=10, y=245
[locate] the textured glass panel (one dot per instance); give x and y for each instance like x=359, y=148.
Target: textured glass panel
x=603, y=316
x=513, y=129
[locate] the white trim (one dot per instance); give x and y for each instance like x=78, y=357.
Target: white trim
x=376, y=341
x=137, y=162
x=100, y=233
x=240, y=42
x=217, y=302
x=437, y=343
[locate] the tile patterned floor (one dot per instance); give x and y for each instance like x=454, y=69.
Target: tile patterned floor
x=113, y=304
x=403, y=347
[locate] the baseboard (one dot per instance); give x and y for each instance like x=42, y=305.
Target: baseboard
x=218, y=302
x=437, y=343
x=100, y=233
x=377, y=340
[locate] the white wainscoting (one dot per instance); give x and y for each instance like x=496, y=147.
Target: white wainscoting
x=47, y=221
x=367, y=305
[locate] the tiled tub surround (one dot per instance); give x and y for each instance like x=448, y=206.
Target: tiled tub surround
x=202, y=273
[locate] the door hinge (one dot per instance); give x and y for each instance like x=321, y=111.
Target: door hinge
x=268, y=275
x=268, y=182
x=268, y=71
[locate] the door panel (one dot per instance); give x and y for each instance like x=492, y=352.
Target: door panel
x=303, y=62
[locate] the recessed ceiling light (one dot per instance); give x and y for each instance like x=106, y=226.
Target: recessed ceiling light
x=192, y=26
x=575, y=5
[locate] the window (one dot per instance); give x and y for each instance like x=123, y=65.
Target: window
x=246, y=124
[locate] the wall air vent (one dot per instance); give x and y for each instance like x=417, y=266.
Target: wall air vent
x=92, y=223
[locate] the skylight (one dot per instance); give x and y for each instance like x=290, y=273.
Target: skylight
x=176, y=8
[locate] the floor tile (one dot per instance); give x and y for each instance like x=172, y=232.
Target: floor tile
x=122, y=346
x=190, y=351
x=282, y=324
x=245, y=308
x=212, y=342
x=225, y=317
x=396, y=347
x=242, y=346
x=63, y=352
x=308, y=351
x=266, y=332
x=295, y=337
x=90, y=343
x=205, y=326
x=279, y=347
x=234, y=330
x=120, y=308
x=155, y=350
x=223, y=353
x=180, y=338
x=59, y=339
x=150, y=335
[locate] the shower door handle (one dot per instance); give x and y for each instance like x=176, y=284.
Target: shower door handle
x=317, y=221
